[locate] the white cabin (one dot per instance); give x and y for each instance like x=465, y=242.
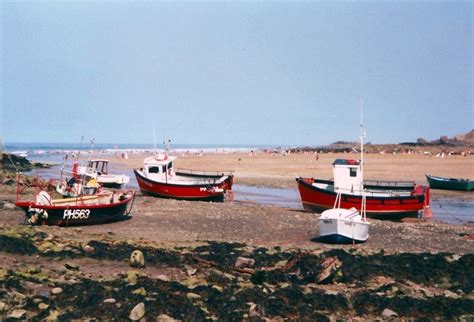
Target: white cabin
x=159, y=167
x=347, y=176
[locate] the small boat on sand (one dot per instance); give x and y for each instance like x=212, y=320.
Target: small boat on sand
x=450, y=183
x=344, y=226
x=83, y=210
x=158, y=178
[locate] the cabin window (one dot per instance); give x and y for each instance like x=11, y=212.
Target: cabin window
x=164, y=169
x=353, y=172
x=170, y=165
x=153, y=169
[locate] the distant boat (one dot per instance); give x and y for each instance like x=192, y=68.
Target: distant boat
x=384, y=199
x=450, y=183
x=84, y=210
x=344, y=226
x=73, y=185
x=158, y=178
x=99, y=168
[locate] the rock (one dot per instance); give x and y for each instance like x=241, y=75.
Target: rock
x=163, y=278
x=191, y=271
x=281, y=264
x=88, y=249
x=137, y=259
x=138, y=312
x=110, y=301
x=165, y=318
x=216, y=276
x=53, y=316
x=3, y=306
x=218, y=288
x=9, y=206
x=453, y=258
x=193, y=296
x=132, y=277
x=452, y=295
x=387, y=313
x=56, y=290
x=243, y=262
x=17, y=314
x=140, y=291
x=43, y=306
x=330, y=266
x=194, y=281
x=72, y=266
x=330, y=292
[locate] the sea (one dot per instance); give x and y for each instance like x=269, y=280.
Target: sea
x=451, y=210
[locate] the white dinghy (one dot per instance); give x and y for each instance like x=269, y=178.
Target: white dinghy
x=344, y=226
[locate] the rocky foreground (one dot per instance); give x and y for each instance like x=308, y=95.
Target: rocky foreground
x=45, y=276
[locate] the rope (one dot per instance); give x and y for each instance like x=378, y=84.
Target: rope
x=131, y=205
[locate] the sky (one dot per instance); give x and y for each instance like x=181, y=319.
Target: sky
x=237, y=72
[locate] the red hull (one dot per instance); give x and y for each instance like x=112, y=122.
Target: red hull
x=315, y=199
x=189, y=192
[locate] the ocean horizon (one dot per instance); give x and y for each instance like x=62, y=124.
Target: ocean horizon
x=22, y=148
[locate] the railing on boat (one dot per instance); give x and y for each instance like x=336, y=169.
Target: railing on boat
x=389, y=184
x=204, y=173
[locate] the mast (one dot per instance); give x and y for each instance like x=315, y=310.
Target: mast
x=362, y=136
x=154, y=137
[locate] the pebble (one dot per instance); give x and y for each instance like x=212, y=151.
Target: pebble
x=243, y=262
x=193, y=296
x=17, y=314
x=71, y=266
x=191, y=271
x=448, y=293
x=138, y=312
x=387, y=313
x=110, y=301
x=88, y=249
x=43, y=306
x=9, y=206
x=163, y=278
x=218, y=288
x=137, y=259
x=165, y=318
x=140, y=291
x=56, y=290
x=2, y=306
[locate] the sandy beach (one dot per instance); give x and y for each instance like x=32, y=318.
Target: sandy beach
x=279, y=171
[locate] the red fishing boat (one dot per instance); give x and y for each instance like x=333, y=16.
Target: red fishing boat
x=158, y=178
x=383, y=199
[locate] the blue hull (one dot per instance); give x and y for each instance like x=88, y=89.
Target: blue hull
x=339, y=239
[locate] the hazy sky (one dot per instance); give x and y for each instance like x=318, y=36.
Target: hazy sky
x=235, y=72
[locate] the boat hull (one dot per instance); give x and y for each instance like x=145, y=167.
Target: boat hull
x=340, y=231
x=206, y=192
x=80, y=214
x=317, y=200
x=450, y=183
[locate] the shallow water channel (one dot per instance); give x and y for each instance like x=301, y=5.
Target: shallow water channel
x=450, y=210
